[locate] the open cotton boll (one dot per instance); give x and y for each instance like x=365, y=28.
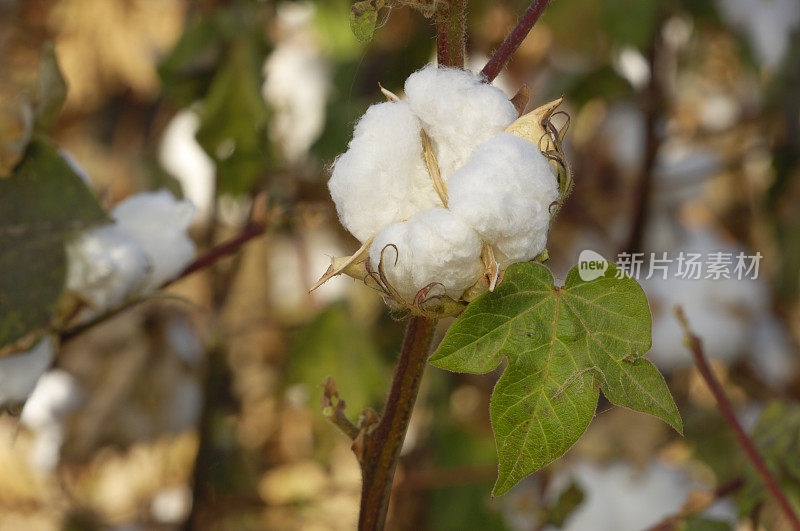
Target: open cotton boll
x=20, y=372
x=504, y=193
x=434, y=246
x=458, y=111
x=104, y=266
x=158, y=223
x=382, y=178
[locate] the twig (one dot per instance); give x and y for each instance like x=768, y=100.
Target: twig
x=696, y=504
x=514, y=39
x=379, y=449
x=333, y=409
x=725, y=407
x=250, y=231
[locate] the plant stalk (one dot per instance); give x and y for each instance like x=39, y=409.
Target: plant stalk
x=381, y=447
x=725, y=407
x=451, y=30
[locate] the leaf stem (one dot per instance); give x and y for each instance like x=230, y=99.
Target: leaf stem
x=725, y=407
x=450, y=34
x=513, y=40
x=381, y=447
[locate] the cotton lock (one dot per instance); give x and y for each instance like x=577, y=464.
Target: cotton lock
x=445, y=189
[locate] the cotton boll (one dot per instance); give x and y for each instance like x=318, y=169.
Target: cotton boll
x=382, y=177
x=56, y=393
x=504, y=192
x=297, y=81
x=158, y=223
x=434, y=246
x=104, y=266
x=182, y=156
x=458, y=111
x=20, y=372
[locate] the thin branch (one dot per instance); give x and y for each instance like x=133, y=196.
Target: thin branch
x=222, y=250
x=380, y=449
x=725, y=407
x=514, y=39
x=333, y=409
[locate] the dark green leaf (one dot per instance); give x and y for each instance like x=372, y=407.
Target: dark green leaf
x=364, y=18
x=562, y=344
x=41, y=204
x=51, y=89
x=233, y=121
x=704, y=524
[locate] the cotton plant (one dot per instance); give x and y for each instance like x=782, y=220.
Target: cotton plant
x=19, y=372
x=450, y=192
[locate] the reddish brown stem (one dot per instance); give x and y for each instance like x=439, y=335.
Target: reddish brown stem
x=381, y=447
x=514, y=39
x=725, y=407
x=251, y=231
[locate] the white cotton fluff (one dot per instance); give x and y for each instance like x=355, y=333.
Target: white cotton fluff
x=182, y=156
x=104, y=266
x=434, y=246
x=158, y=223
x=504, y=192
x=20, y=372
x=382, y=177
x=458, y=111
x=56, y=394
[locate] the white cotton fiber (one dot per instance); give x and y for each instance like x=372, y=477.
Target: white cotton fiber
x=382, y=177
x=104, y=266
x=433, y=246
x=182, y=156
x=458, y=111
x=20, y=372
x=504, y=192
x=158, y=223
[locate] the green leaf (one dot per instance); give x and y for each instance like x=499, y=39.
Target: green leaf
x=364, y=18
x=777, y=437
x=233, y=121
x=41, y=204
x=51, y=89
x=562, y=344
x=698, y=523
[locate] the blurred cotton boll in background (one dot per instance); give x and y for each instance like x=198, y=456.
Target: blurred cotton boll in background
x=20, y=372
x=158, y=223
x=146, y=246
x=182, y=157
x=297, y=81
x=619, y=497
x=56, y=394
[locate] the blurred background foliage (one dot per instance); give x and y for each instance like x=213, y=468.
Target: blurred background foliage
x=200, y=408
